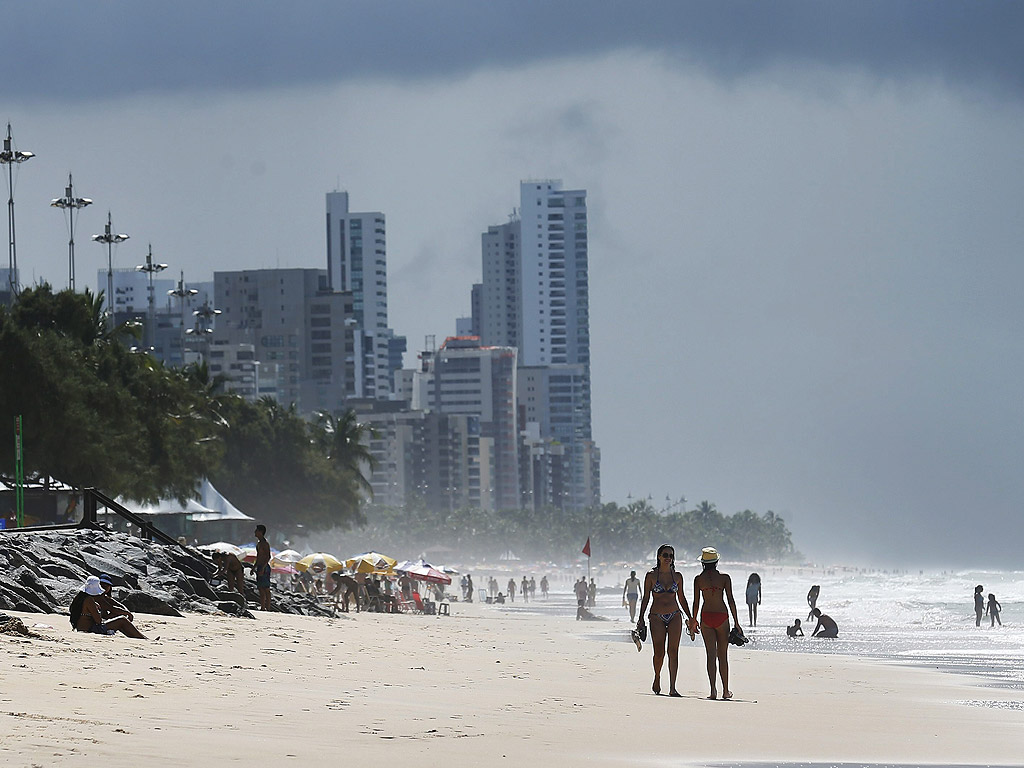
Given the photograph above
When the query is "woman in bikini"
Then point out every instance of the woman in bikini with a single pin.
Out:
(663, 588)
(716, 589)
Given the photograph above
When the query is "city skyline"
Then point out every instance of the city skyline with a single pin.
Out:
(804, 227)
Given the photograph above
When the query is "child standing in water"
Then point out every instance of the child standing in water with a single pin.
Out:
(993, 609)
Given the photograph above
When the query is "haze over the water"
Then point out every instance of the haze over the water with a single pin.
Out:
(805, 219)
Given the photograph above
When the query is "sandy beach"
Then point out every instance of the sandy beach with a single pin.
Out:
(481, 687)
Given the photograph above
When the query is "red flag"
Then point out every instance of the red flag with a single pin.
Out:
(586, 547)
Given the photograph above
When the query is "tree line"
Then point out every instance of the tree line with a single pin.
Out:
(617, 533)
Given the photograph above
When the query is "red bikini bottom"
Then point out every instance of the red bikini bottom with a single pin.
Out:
(713, 619)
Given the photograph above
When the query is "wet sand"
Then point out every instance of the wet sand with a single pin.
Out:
(482, 687)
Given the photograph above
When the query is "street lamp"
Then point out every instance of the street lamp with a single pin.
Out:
(204, 316)
(151, 268)
(183, 294)
(110, 238)
(70, 203)
(11, 157)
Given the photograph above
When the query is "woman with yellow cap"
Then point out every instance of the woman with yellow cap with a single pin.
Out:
(716, 590)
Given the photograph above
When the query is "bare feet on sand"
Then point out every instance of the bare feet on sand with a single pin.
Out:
(675, 693)
(656, 687)
(727, 695)
(714, 694)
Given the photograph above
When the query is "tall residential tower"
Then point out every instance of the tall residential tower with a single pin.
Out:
(357, 263)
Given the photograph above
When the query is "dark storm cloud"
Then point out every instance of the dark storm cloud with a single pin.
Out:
(88, 50)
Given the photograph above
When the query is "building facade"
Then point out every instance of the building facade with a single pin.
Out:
(357, 264)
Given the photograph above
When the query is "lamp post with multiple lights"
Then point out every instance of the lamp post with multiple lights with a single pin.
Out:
(183, 294)
(204, 316)
(71, 204)
(11, 157)
(151, 268)
(111, 238)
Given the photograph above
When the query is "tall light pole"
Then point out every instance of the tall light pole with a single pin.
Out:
(183, 294)
(11, 157)
(110, 238)
(70, 204)
(204, 316)
(151, 268)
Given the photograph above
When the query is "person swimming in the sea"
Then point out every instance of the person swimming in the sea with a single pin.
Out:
(716, 590)
(663, 588)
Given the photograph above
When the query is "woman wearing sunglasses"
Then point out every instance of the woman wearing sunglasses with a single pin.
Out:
(663, 588)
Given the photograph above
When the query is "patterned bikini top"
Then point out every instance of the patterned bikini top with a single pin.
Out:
(659, 588)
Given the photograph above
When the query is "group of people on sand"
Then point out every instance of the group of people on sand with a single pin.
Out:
(230, 569)
(663, 589)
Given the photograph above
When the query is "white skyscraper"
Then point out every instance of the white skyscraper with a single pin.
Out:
(357, 262)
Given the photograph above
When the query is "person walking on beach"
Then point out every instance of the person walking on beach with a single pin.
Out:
(826, 626)
(469, 588)
(581, 592)
(544, 586)
(663, 589)
(262, 567)
(993, 609)
(753, 597)
(524, 590)
(533, 589)
(631, 593)
(812, 600)
(512, 590)
(715, 589)
(592, 593)
(979, 604)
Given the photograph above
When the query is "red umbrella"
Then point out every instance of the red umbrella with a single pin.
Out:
(422, 571)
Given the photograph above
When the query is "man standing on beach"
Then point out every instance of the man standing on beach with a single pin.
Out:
(262, 567)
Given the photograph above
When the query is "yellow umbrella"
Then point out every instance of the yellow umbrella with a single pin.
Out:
(370, 562)
(331, 563)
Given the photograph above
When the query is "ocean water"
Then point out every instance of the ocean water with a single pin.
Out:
(917, 618)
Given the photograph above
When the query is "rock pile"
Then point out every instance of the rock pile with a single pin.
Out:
(42, 571)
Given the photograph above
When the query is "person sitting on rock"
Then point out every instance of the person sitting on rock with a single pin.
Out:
(91, 618)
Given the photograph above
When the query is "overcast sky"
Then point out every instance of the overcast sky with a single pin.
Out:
(805, 218)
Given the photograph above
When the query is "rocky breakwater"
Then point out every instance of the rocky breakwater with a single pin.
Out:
(42, 571)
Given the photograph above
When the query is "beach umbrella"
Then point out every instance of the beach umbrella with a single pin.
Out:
(423, 571)
(331, 563)
(371, 562)
(288, 556)
(222, 546)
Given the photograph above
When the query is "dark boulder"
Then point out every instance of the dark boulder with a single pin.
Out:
(142, 602)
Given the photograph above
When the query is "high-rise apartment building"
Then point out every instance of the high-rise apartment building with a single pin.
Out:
(535, 296)
(294, 322)
(357, 263)
(476, 380)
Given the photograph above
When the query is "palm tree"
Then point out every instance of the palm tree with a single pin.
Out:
(345, 442)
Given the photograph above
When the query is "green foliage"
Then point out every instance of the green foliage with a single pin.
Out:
(95, 414)
(292, 475)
